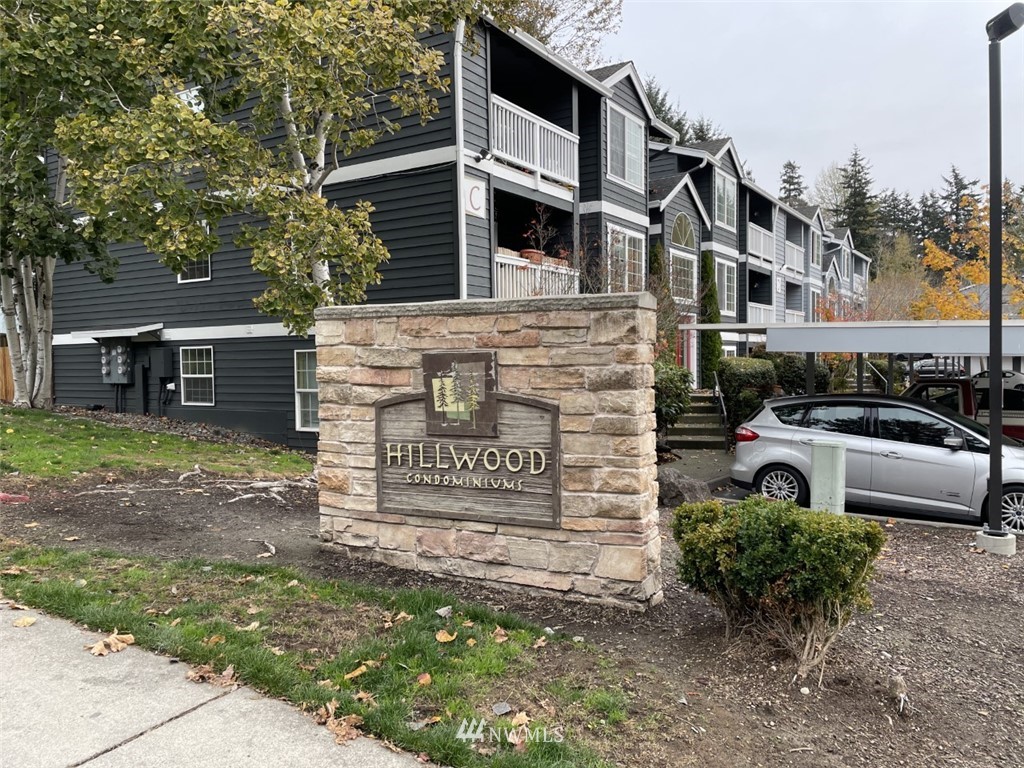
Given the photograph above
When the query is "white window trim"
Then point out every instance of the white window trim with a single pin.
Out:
(613, 228)
(816, 238)
(736, 196)
(682, 253)
(729, 350)
(295, 386)
(608, 148)
(735, 281)
(209, 263)
(211, 376)
(693, 231)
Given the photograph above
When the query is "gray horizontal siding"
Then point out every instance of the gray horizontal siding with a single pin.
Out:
(592, 119)
(479, 248)
(476, 94)
(146, 291)
(253, 385)
(415, 218)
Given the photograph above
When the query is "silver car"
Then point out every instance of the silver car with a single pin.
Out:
(901, 455)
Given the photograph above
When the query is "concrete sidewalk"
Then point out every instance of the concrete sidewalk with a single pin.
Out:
(60, 707)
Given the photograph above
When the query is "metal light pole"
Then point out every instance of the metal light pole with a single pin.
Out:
(998, 28)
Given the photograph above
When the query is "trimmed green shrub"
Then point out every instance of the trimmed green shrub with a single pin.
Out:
(672, 387)
(790, 371)
(791, 577)
(739, 374)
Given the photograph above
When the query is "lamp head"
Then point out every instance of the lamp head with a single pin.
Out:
(1006, 23)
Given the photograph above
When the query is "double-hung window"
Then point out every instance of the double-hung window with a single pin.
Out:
(627, 260)
(815, 305)
(199, 269)
(307, 399)
(725, 201)
(683, 261)
(197, 376)
(725, 279)
(626, 147)
(816, 249)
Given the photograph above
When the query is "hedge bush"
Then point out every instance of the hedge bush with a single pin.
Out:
(791, 372)
(672, 387)
(792, 577)
(737, 374)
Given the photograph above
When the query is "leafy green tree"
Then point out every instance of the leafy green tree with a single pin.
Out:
(792, 189)
(710, 341)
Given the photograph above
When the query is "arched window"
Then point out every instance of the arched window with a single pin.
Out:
(682, 233)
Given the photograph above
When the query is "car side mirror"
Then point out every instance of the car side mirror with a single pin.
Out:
(954, 443)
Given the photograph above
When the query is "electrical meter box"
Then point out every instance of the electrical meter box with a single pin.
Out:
(117, 363)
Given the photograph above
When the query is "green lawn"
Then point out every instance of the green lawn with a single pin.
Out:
(43, 444)
(385, 656)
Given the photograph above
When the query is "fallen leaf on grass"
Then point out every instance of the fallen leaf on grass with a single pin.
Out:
(471, 642)
(276, 651)
(14, 570)
(499, 635)
(265, 554)
(25, 621)
(390, 621)
(521, 718)
(329, 684)
(31, 525)
(518, 738)
(480, 749)
(111, 644)
(442, 636)
(444, 612)
(467, 623)
(72, 538)
(423, 679)
(176, 622)
(206, 674)
(212, 641)
(540, 642)
(253, 610)
(356, 672)
(292, 583)
(366, 698)
(250, 628)
(419, 725)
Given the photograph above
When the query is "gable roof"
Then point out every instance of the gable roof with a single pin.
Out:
(665, 188)
(717, 148)
(613, 73)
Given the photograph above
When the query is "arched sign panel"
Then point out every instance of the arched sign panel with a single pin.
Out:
(506, 475)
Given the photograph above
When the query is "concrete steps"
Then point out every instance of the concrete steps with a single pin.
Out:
(700, 427)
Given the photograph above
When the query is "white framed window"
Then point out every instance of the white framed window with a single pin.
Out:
(197, 271)
(197, 376)
(815, 305)
(728, 351)
(193, 98)
(682, 233)
(627, 260)
(816, 248)
(725, 280)
(846, 263)
(683, 274)
(626, 147)
(307, 395)
(725, 200)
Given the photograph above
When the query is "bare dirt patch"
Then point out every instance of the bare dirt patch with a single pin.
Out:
(947, 620)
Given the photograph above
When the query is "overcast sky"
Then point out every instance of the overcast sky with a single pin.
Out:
(907, 82)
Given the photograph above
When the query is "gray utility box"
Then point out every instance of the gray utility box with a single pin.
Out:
(161, 363)
(117, 361)
(828, 476)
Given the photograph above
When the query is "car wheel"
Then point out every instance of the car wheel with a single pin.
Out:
(783, 484)
(1013, 508)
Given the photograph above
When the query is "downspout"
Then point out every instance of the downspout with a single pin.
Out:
(460, 161)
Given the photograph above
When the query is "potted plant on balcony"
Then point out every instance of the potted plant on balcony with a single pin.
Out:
(538, 234)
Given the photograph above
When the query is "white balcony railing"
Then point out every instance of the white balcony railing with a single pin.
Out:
(794, 316)
(527, 141)
(794, 257)
(859, 284)
(517, 278)
(760, 242)
(760, 313)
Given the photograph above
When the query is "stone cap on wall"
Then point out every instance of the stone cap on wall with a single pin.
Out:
(584, 302)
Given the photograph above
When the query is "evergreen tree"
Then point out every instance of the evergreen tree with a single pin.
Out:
(931, 221)
(668, 111)
(710, 341)
(958, 199)
(897, 214)
(703, 129)
(792, 189)
(859, 207)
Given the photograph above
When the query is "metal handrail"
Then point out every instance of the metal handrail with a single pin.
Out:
(723, 414)
(884, 379)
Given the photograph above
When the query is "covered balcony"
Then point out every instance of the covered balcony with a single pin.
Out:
(534, 254)
(794, 303)
(760, 298)
(532, 144)
(516, 277)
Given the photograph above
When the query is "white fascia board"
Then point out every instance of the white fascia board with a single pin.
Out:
(152, 330)
(396, 163)
(685, 183)
(526, 180)
(196, 333)
(729, 147)
(724, 250)
(611, 209)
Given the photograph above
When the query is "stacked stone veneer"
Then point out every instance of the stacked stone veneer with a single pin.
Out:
(591, 354)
